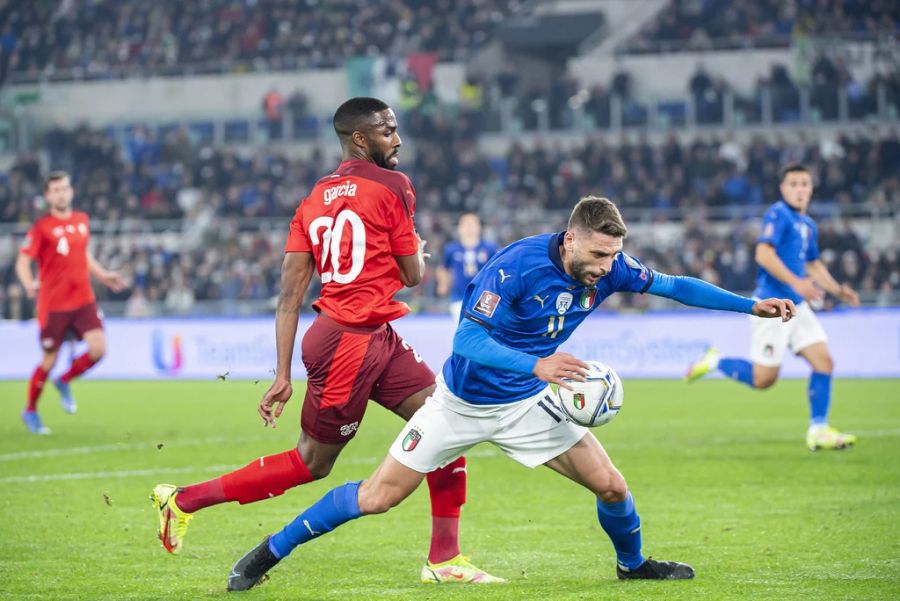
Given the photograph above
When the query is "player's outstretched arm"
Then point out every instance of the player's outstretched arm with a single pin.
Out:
(26, 277)
(296, 271)
(821, 276)
(111, 279)
(768, 259)
(699, 293)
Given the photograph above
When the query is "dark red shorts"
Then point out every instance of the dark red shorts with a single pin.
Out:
(348, 366)
(78, 321)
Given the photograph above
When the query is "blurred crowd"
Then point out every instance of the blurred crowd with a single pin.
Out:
(230, 269)
(562, 98)
(155, 177)
(701, 24)
(98, 37)
(232, 209)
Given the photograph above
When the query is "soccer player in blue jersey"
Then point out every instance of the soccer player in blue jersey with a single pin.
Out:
(524, 303)
(463, 259)
(787, 253)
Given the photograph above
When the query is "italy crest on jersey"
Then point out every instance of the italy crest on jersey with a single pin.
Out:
(563, 302)
(587, 298)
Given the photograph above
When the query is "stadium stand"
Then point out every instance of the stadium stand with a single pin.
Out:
(193, 209)
(89, 39)
(724, 24)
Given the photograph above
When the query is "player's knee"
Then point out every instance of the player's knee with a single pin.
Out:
(319, 469)
(763, 381)
(615, 490)
(376, 499)
(49, 361)
(96, 353)
(825, 364)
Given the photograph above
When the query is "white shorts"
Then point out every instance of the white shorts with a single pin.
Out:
(532, 431)
(771, 337)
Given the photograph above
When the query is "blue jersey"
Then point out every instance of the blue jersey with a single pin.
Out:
(796, 241)
(528, 303)
(464, 263)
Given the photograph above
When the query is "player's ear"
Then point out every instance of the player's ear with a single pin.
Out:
(359, 139)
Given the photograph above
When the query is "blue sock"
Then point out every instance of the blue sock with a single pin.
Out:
(339, 505)
(623, 526)
(819, 398)
(737, 369)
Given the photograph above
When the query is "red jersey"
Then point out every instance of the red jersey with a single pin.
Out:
(60, 247)
(354, 222)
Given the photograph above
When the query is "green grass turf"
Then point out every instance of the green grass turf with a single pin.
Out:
(720, 474)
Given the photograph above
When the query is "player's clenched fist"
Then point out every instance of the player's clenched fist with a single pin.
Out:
(775, 307)
(276, 396)
(558, 366)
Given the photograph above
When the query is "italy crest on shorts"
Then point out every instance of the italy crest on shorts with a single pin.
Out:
(411, 440)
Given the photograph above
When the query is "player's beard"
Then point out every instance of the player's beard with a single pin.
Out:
(60, 206)
(582, 273)
(382, 160)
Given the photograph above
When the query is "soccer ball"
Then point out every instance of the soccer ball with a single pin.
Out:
(595, 401)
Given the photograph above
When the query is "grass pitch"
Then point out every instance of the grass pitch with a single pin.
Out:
(720, 474)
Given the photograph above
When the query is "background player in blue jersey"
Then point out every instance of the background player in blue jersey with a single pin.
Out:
(789, 266)
(494, 388)
(463, 258)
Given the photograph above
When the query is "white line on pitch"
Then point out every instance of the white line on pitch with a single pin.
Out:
(370, 460)
(120, 446)
(119, 474)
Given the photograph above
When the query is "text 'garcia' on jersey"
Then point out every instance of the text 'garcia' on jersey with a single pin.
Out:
(346, 189)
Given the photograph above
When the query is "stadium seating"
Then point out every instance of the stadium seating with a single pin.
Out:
(111, 39)
(724, 24)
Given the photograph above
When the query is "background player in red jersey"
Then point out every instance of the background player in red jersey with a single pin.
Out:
(65, 301)
(356, 230)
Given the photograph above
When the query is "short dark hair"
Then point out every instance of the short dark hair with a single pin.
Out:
(793, 168)
(352, 115)
(598, 215)
(54, 176)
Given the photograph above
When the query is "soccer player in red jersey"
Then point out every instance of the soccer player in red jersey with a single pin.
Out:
(58, 241)
(356, 230)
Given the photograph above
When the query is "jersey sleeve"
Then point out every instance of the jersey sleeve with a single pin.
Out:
(630, 275)
(298, 239)
(493, 292)
(773, 228)
(812, 251)
(31, 246)
(404, 240)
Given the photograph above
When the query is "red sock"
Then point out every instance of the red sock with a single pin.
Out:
(264, 478)
(447, 487)
(35, 386)
(80, 365)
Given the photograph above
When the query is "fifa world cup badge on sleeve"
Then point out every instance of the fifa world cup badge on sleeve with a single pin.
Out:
(487, 303)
